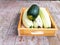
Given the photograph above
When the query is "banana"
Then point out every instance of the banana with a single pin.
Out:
(26, 22)
(38, 22)
(45, 17)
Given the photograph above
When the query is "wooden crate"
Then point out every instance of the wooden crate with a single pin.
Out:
(36, 31)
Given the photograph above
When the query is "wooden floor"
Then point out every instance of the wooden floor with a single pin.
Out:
(9, 19)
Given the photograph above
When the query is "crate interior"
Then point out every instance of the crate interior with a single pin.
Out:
(52, 21)
(52, 24)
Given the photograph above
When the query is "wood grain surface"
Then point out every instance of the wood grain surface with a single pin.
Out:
(9, 19)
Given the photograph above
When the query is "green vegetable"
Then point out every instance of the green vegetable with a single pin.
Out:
(33, 12)
(31, 26)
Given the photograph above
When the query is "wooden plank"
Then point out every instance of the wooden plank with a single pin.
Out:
(20, 41)
(9, 40)
(31, 40)
(1, 38)
(53, 41)
(55, 14)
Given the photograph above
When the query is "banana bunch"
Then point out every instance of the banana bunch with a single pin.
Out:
(38, 22)
(45, 18)
(42, 19)
(30, 24)
(27, 23)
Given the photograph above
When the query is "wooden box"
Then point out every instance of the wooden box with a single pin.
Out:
(36, 31)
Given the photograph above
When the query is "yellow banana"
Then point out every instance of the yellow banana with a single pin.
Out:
(38, 22)
(45, 17)
(26, 22)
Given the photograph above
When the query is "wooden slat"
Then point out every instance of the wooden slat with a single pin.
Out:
(1, 37)
(56, 13)
(53, 41)
(9, 40)
(31, 40)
